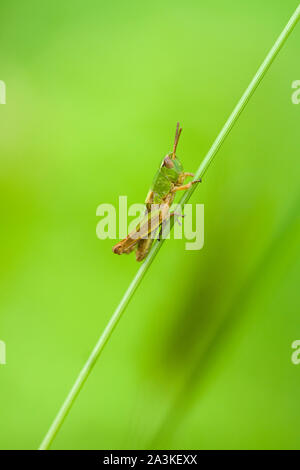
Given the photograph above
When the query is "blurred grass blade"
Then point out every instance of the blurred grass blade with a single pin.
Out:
(286, 235)
(82, 377)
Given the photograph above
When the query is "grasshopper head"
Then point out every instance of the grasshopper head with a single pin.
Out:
(171, 165)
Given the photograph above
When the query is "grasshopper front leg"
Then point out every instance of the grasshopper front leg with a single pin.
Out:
(184, 187)
(186, 174)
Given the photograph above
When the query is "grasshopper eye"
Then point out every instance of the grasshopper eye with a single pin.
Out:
(168, 162)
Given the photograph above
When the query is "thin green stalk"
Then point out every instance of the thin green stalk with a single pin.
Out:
(85, 372)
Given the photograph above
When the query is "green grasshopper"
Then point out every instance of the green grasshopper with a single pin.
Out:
(168, 180)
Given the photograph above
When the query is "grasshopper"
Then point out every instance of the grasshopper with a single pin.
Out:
(169, 179)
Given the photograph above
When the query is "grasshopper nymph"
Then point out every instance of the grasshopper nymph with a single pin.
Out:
(168, 180)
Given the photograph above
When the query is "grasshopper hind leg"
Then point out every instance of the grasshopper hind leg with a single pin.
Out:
(143, 248)
(129, 250)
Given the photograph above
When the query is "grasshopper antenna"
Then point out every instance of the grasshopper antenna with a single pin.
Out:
(177, 135)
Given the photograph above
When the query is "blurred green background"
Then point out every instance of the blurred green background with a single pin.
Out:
(202, 357)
